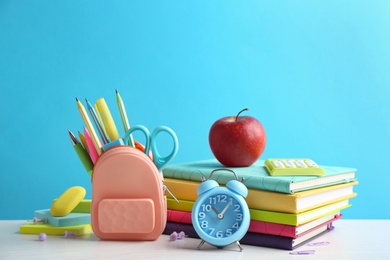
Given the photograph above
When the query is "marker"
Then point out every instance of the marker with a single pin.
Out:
(92, 151)
(97, 123)
(122, 112)
(108, 120)
(101, 120)
(82, 153)
(89, 126)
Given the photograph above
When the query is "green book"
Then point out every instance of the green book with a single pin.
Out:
(31, 228)
(292, 219)
(257, 177)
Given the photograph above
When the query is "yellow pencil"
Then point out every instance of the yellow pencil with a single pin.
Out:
(82, 139)
(108, 120)
(89, 126)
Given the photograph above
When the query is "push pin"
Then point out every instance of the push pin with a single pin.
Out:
(175, 236)
(70, 234)
(181, 235)
(36, 220)
(42, 237)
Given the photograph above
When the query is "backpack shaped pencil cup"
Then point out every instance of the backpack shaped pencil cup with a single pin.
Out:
(128, 192)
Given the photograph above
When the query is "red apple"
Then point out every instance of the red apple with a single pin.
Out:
(237, 141)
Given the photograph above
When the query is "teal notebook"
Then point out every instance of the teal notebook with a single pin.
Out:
(71, 219)
(257, 177)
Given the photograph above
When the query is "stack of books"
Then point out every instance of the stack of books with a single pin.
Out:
(76, 223)
(286, 211)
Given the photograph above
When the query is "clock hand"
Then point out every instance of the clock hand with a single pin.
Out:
(215, 210)
(220, 215)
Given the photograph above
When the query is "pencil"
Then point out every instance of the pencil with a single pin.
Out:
(89, 126)
(82, 140)
(96, 121)
(82, 153)
(123, 114)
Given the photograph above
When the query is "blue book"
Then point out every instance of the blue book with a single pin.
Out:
(257, 177)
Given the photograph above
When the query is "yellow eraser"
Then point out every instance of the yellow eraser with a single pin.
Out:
(67, 201)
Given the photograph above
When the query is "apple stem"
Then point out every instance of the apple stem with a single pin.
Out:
(245, 109)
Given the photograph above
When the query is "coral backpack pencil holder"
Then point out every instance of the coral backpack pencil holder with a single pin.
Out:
(128, 191)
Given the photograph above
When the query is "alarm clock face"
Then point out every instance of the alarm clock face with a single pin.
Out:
(221, 218)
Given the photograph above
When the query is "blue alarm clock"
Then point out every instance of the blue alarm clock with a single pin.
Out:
(220, 215)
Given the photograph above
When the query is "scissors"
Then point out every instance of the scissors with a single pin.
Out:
(151, 144)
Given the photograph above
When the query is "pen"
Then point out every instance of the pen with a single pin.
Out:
(82, 153)
(92, 150)
(97, 123)
(108, 120)
(89, 126)
(122, 112)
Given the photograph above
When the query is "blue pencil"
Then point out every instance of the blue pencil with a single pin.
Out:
(97, 123)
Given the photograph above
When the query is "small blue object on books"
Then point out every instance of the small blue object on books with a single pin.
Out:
(113, 144)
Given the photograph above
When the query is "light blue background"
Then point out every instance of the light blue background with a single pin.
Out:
(315, 73)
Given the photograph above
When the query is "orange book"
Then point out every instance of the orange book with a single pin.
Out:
(273, 201)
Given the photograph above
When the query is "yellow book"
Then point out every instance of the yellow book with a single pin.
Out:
(273, 201)
(298, 218)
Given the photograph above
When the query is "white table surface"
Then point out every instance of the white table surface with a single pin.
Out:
(351, 239)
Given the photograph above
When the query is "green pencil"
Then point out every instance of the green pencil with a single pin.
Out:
(122, 112)
(82, 153)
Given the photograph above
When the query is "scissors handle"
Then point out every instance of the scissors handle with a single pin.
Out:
(160, 161)
(144, 130)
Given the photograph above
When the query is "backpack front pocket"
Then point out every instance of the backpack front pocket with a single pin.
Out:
(126, 215)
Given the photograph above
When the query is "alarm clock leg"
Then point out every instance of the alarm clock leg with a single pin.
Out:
(239, 245)
(200, 245)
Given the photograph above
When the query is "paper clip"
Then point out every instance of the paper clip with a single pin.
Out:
(322, 243)
(303, 252)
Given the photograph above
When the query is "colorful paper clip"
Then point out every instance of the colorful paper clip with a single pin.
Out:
(322, 243)
(303, 252)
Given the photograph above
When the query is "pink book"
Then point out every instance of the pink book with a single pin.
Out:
(265, 227)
